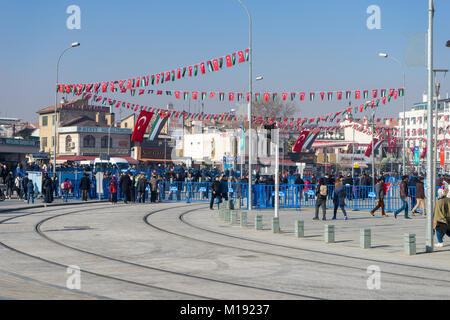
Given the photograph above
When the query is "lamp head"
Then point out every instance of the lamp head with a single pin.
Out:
(63, 100)
(383, 55)
(448, 44)
(75, 44)
(259, 78)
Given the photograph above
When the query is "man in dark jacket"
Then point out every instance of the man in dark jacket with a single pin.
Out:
(380, 196)
(420, 195)
(9, 181)
(124, 185)
(47, 188)
(25, 181)
(403, 197)
(216, 191)
(141, 186)
(85, 186)
(321, 199)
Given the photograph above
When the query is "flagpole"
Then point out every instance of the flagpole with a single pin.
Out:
(249, 115)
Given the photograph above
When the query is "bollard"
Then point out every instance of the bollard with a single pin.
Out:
(409, 240)
(238, 204)
(231, 204)
(365, 238)
(299, 228)
(329, 233)
(234, 216)
(258, 222)
(227, 215)
(276, 225)
(243, 219)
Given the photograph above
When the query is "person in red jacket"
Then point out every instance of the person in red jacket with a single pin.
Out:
(113, 189)
(403, 197)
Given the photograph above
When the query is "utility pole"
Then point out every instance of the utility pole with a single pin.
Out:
(430, 193)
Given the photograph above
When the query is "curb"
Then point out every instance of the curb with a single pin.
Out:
(50, 205)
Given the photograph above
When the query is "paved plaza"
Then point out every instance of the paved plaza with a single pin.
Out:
(186, 251)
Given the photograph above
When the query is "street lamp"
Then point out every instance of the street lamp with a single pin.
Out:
(74, 44)
(249, 115)
(448, 44)
(385, 55)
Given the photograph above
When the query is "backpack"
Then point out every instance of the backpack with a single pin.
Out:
(323, 190)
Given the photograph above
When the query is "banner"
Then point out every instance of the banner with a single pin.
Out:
(369, 147)
(442, 156)
(141, 126)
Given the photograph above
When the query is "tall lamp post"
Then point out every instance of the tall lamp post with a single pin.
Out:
(385, 55)
(75, 44)
(249, 115)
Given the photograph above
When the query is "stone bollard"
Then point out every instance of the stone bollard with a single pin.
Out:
(365, 238)
(238, 204)
(410, 243)
(299, 228)
(231, 204)
(276, 225)
(258, 222)
(329, 233)
(227, 215)
(243, 219)
(234, 216)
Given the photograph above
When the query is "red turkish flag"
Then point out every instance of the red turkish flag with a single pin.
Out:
(141, 126)
(284, 96)
(374, 93)
(357, 95)
(339, 95)
(194, 95)
(231, 96)
(216, 64)
(202, 68)
(424, 153)
(442, 156)
(241, 56)
(369, 148)
(229, 61)
(300, 141)
(177, 94)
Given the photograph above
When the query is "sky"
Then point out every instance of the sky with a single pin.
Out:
(298, 46)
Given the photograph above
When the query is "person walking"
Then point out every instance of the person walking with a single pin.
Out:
(420, 196)
(132, 187)
(339, 199)
(441, 220)
(321, 199)
(85, 186)
(30, 191)
(215, 193)
(113, 189)
(403, 197)
(55, 181)
(379, 189)
(25, 181)
(18, 186)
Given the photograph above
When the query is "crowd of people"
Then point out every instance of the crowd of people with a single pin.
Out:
(136, 186)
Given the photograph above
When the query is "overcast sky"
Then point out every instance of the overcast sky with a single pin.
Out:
(298, 46)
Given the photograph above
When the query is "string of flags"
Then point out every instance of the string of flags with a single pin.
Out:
(138, 83)
(265, 96)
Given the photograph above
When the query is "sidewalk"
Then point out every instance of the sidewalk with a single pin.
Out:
(11, 205)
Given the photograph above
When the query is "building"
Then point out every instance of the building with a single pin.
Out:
(84, 132)
(67, 112)
(416, 127)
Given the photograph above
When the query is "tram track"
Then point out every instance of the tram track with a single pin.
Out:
(332, 264)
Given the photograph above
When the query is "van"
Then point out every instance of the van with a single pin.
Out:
(120, 163)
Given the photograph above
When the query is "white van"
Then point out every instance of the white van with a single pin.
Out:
(120, 163)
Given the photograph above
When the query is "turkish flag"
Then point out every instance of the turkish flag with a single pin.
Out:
(442, 157)
(300, 141)
(369, 148)
(141, 126)
(241, 57)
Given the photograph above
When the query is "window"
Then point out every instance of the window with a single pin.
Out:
(44, 121)
(104, 142)
(44, 142)
(89, 142)
(69, 143)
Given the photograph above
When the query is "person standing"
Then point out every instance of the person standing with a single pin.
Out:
(215, 193)
(65, 188)
(113, 189)
(141, 186)
(132, 187)
(124, 185)
(55, 181)
(321, 199)
(420, 196)
(47, 188)
(379, 189)
(30, 191)
(339, 199)
(25, 181)
(403, 197)
(441, 219)
(153, 187)
(18, 186)
(85, 186)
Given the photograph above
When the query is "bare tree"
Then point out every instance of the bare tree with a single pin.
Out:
(276, 109)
